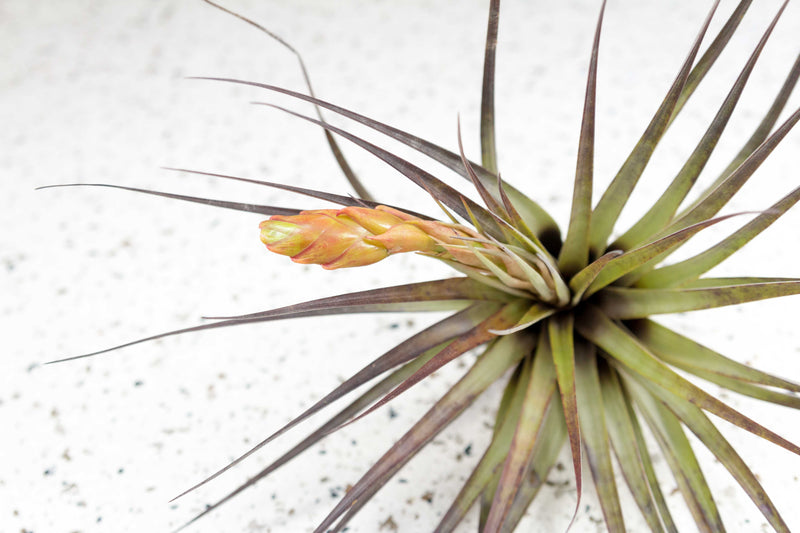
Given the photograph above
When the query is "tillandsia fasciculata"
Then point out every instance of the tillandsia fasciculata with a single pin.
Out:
(565, 319)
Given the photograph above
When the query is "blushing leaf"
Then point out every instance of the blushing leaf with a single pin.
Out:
(581, 281)
(717, 199)
(492, 459)
(425, 180)
(360, 403)
(480, 334)
(759, 135)
(647, 254)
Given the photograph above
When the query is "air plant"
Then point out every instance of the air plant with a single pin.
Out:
(565, 320)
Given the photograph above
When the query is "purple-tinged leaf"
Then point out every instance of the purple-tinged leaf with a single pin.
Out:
(488, 145)
(480, 334)
(536, 217)
(717, 199)
(360, 403)
(446, 293)
(425, 180)
(759, 135)
(491, 203)
(443, 331)
(499, 357)
(322, 195)
(574, 253)
(647, 254)
(686, 354)
(248, 208)
(539, 394)
(595, 435)
(358, 187)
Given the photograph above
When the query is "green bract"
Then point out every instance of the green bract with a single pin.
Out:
(567, 315)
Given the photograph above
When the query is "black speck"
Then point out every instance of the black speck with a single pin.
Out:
(99, 519)
(138, 383)
(120, 470)
(49, 472)
(394, 325)
(392, 413)
(468, 450)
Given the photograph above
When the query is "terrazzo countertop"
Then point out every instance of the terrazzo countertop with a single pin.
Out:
(96, 91)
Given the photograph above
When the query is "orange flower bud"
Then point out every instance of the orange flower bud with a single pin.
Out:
(404, 237)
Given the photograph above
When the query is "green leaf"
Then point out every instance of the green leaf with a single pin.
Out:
(700, 425)
(595, 435)
(679, 455)
(541, 389)
(575, 252)
(622, 346)
(710, 56)
(665, 207)
(609, 207)
(680, 351)
(647, 254)
(581, 281)
(641, 303)
(695, 266)
(761, 132)
(501, 356)
(537, 218)
(560, 329)
(624, 440)
(717, 199)
(534, 314)
(488, 145)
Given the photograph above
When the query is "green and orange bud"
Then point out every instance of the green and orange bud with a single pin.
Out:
(349, 237)
(359, 236)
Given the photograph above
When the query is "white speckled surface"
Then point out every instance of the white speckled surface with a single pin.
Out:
(95, 92)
